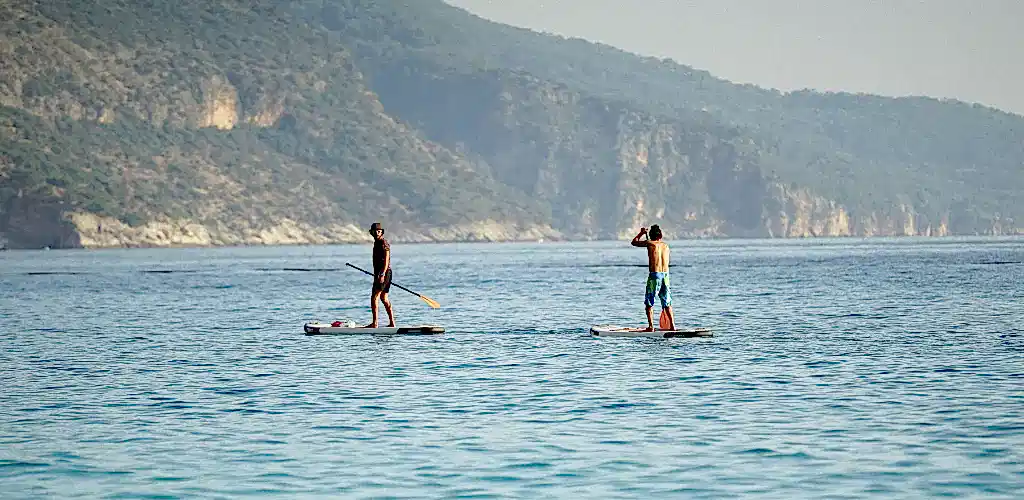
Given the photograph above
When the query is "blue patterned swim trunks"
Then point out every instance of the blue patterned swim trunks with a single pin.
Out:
(657, 286)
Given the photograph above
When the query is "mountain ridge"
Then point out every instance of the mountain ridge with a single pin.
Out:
(147, 124)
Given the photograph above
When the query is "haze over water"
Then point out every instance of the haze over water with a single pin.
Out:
(848, 368)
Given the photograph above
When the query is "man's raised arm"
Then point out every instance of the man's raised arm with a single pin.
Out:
(637, 242)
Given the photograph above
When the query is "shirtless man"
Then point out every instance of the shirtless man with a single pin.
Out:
(381, 275)
(657, 280)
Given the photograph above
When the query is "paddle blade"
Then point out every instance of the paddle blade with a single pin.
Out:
(430, 302)
(663, 321)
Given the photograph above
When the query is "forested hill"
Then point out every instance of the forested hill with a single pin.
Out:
(137, 123)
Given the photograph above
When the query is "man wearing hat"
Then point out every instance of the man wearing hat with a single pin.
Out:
(381, 275)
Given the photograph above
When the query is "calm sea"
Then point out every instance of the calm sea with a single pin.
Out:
(840, 368)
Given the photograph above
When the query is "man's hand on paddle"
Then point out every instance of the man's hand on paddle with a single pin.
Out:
(636, 239)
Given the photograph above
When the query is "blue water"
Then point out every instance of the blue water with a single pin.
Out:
(839, 369)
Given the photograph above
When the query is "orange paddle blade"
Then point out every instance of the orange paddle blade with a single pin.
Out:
(430, 302)
(663, 321)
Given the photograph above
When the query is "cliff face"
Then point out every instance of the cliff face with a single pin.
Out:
(607, 168)
(155, 138)
(224, 122)
(53, 69)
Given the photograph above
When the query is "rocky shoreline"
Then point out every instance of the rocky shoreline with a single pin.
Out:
(104, 232)
(86, 230)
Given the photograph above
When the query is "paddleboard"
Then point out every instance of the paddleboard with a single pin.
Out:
(622, 331)
(350, 329)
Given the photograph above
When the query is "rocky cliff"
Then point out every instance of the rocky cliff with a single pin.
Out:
(607, 167)
(162, 124)
(132, 138)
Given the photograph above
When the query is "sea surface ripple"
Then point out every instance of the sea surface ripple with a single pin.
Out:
(840, 368)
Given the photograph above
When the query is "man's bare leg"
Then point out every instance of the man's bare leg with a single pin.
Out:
(650, 319)
(671, 317)
(387, 307)
(374, 295)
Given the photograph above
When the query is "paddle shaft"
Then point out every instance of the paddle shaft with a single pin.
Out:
(392, 283)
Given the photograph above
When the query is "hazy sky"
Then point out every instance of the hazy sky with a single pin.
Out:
(971, 50)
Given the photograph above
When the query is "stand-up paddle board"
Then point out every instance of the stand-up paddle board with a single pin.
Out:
(350, 329)
(622, 331)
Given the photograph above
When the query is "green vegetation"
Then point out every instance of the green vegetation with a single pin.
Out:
(864, 151)
(350, 160)
(224, 110)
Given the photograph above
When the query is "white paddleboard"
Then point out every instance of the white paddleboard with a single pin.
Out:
(349, 329)
(622, 331)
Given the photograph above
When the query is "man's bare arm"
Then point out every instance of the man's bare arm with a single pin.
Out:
(637, 242)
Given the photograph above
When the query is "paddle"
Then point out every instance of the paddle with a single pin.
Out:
(430, 302)
(663, 321)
